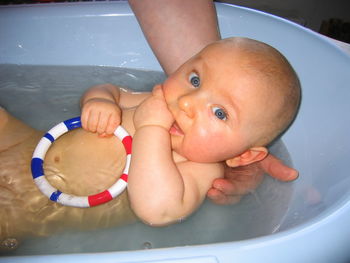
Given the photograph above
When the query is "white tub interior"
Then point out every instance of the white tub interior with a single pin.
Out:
(312, 210)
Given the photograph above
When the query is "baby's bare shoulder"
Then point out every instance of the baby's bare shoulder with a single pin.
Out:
(205, 172)
(200, 175)
(190, 168)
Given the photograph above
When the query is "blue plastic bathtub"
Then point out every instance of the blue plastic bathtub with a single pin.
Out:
(314, 224)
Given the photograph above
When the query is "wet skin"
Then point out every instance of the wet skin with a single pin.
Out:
(79, 162)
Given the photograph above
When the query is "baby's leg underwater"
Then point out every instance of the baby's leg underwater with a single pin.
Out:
(13, 131)
(17, 141)
(24, 210)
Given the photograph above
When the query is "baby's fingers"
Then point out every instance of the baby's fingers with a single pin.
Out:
(92, 122)
(89, 120)
(84, 119)
(113, 123)
(102, 123)
(107, 124)
(157, 91)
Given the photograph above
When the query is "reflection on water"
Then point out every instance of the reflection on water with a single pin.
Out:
(42, 96)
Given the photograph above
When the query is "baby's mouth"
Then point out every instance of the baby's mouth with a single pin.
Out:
(175, 129)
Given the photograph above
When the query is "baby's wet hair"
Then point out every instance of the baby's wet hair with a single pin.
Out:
(273, 68)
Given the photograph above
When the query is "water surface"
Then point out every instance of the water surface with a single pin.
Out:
(42, 96)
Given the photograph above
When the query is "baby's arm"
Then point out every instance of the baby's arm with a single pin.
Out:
(161, 191)
(101, 107)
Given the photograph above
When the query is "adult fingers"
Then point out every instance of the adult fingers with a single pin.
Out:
(277, 169)
(220, 198)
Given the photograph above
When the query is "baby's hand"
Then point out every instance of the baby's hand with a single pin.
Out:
(154, 111)
(100, 115)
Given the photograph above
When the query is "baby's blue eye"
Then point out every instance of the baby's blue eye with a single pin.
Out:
(220, 113)
(195, 80)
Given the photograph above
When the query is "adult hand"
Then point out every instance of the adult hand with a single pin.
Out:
(242, 180)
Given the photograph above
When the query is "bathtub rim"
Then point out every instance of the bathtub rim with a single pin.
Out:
(329, 216)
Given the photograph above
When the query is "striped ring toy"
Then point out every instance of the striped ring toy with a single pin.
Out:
(67, 199)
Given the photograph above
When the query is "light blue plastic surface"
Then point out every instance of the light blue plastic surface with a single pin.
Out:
(318, 141)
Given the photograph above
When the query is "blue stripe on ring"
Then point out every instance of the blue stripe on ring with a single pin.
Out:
(55, 195)
(73, 123)
(37, 167)
(50, 137)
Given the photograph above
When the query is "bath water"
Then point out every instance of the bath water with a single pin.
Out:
(42, 96)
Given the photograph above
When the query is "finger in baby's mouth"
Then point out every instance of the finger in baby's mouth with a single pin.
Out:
(175, 129)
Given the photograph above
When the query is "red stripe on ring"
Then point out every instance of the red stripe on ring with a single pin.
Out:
(99, 198)
(127, 141)
(124, 177)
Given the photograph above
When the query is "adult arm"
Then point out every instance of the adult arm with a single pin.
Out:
(176, 29)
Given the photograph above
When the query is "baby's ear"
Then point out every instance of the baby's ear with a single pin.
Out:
(252, 155)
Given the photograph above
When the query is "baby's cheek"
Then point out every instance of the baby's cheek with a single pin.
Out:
(170, 89)
(199, 150)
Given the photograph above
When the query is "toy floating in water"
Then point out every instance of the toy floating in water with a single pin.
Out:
(70, 200)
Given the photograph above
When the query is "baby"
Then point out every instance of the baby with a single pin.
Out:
(220, 109)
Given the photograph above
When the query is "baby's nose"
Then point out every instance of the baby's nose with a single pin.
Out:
(187, 104)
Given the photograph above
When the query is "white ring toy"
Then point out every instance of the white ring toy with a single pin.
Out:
(67, 199)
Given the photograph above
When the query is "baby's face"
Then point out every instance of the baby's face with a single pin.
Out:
(217, 105)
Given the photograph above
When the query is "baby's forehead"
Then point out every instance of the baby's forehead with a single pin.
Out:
(230, 61)
(247, 59)
(220, 57)
(247, 48)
